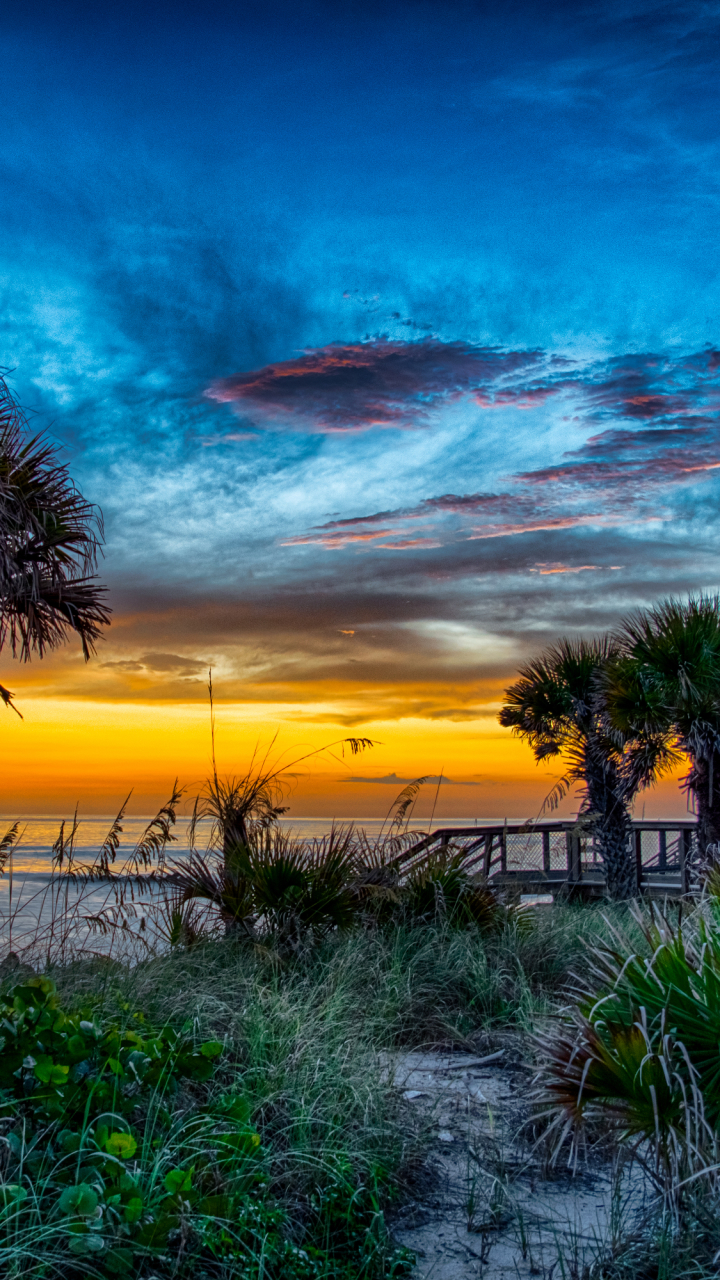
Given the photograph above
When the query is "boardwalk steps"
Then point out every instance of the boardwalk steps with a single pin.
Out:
(562, 857)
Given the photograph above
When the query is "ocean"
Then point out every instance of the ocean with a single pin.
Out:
(37, 905)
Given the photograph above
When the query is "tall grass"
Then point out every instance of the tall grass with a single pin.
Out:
(309, 1000)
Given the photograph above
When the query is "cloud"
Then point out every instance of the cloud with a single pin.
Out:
(621, 475)
(546, 569)
(382, 383)
(393, 780)
(161, 663)
(352, 387)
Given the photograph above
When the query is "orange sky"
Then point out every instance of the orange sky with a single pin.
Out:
(96, 748)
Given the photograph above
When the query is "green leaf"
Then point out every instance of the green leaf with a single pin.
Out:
(178, 1181)
(13, 1194)
(199, 1068)
(80, 1200)
(235, 1108)
(153, 1235)
(86, 1244)
(119, 1261)
(122, 1145)
(211, 1048)
(49, 1072)
(69, 1140)
(133, 1210)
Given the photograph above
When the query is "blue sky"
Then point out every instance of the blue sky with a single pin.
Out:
(384, 325)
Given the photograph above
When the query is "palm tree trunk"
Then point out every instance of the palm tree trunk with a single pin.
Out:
(612, 828)
(704, 782)
(235, 837)
(613, 832)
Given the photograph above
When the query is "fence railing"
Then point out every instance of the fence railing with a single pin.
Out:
(546, 856)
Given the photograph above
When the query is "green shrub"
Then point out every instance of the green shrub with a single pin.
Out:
(62, 1065)
(122, 1157)
(639, 1048)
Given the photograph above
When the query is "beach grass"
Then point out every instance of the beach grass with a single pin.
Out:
(307, 1036)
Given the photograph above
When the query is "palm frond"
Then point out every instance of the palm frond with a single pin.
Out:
(7, 698)
(558, 793)
(50, 541)
(236, 806)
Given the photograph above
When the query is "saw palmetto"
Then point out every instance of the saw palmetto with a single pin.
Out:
(50, 541)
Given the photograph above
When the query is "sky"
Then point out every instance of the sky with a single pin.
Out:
(387, 339)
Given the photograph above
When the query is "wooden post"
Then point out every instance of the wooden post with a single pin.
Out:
(638, 860)
(573, 856)
(487, 855)
(662, 849)
(503, 849)
(684, 851)
(546, 850)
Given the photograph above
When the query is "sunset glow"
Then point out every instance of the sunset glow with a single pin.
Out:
(387, 343)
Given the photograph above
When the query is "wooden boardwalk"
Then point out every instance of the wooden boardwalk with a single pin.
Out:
(562, 857)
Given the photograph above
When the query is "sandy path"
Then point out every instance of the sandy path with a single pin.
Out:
(488, 1205)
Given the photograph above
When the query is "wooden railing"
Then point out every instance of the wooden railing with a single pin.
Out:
(564, 856)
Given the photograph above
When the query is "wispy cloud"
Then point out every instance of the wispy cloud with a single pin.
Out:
(621, 475)
(379, 383)
(392, 779)
(369, 384)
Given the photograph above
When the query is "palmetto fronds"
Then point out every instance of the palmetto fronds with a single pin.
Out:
(50, 540)
(293, 888)
(665, 683)
(557, 707)
(641, 1047)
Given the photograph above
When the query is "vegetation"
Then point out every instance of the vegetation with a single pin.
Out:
(557, 706)
(665, 683)
(208, 1094)
(641, 1045)
(221, 1108)
(50, 539)
(214, 1105)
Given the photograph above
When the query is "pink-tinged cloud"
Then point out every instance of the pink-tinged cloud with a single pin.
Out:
(356, 386)
(404, 544)
(546, 569)
(401, 384)
(341, 538)
(618, 459)
(519, 397)
(544, 524)
(618, 477)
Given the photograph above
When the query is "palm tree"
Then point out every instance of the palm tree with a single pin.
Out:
(666, 681)
(556, 707)
(50, 540)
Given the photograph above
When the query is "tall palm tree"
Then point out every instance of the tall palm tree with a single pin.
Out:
(666, 681)
(556, 707)
(50, 540)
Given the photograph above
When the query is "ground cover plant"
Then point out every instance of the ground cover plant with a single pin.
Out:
(132, 1152)
(219, 1108)
(262, 1137)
